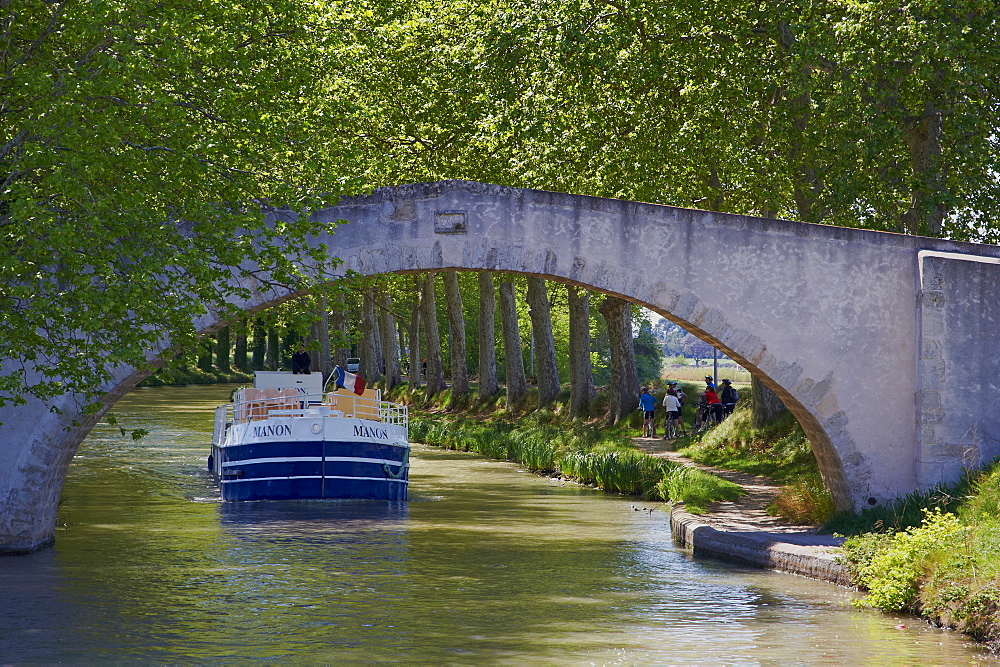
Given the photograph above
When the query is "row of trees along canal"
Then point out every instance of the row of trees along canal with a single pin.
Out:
(124, 131)
(501, 330)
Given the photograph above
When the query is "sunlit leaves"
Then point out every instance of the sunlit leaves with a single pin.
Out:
(139, 141)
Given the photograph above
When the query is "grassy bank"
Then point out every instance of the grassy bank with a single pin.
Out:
(935, 554)
(176, 377)
(547, 442)
(778, 451)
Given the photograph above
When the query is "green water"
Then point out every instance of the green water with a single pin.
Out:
(486, 563)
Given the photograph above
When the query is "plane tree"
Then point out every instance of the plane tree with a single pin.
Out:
(139, 143)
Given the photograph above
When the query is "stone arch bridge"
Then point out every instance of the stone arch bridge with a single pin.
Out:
(884, 346)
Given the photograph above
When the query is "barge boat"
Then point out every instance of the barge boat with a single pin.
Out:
(286, 437)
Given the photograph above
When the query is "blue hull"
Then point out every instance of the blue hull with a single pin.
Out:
(312, 469)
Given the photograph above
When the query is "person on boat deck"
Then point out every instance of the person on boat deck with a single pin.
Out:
(300, 360)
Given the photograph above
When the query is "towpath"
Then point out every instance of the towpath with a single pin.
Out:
(743, 530)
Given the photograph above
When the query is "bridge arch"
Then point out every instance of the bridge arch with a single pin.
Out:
(855, 330)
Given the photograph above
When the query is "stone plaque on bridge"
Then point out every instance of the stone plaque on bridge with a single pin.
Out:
(450, 222)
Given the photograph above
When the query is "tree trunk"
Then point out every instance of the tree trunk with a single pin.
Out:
(324, 363)
(338, 328)
(456, 317)
(369, 347)
(428, 313)
(257, 361)
(401, 339)
(273, 350)
(581, 374)
(378, 361)
(624, 385)
(390, 344)
(205, 354)
(517, 384)
(240, 360)
(222, 348)
(546, 370)
(415, 359)
(926, 213)
(487, 337)
(765, 406)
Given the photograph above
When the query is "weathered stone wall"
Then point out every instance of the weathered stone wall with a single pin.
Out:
(958, 397)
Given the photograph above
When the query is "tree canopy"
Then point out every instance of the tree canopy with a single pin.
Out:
(140, 140)
(870, 114)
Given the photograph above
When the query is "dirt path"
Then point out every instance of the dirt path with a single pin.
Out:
(748, 514)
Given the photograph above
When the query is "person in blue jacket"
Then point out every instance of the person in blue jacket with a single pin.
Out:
(647, 403)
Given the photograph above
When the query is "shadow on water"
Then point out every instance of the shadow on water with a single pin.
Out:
(316, 523)
(306, 516)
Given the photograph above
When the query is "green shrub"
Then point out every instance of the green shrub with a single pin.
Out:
(895, 571)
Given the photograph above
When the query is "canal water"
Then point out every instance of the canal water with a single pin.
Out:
(486, 563)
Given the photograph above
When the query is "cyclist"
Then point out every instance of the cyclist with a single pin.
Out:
(647, 403)
(728, 396)
(681, 396)
(714, 405)
(672, 405)
(702, 414)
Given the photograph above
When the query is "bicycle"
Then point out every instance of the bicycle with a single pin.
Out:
(704, 419)
(648, 427)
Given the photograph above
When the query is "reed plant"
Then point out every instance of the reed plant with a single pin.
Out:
(618, 470)
(696, 488)
(585, 453)
(805, 500)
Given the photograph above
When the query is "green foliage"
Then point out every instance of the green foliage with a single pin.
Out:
(138, 142)
(893, 573)
(586, 453)
(947, 567)
(779, 451)
(858, 551)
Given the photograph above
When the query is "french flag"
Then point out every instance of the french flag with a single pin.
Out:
(355, 383)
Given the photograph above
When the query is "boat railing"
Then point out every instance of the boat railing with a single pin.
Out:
(291, 403)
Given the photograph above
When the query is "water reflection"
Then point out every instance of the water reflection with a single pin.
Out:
(301, 518)
(484, 564)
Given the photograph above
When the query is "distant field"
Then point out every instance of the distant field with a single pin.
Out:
(697, 373)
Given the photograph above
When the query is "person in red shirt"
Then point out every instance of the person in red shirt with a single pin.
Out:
(715, 405)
